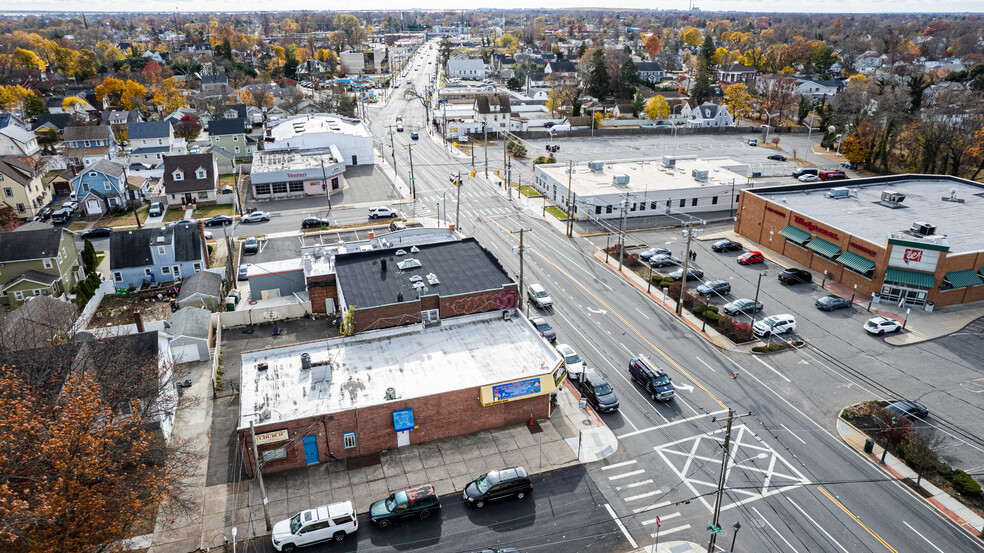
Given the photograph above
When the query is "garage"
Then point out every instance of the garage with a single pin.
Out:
(189, 332)
(187, 353)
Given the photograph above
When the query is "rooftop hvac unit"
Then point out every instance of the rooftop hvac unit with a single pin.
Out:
(923, 229)
(669, 161)
(305, 361)
(620, 180)
(699, 174)
(390, 393)
(596, 166)
(892, 198)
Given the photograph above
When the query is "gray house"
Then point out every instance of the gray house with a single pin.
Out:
(189, 331)
(650, 71)
(467, 69)
(202, 289)
(154, 255)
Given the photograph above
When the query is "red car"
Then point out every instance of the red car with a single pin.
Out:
(748, 258)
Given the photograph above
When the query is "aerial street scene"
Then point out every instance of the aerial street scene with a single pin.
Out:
(645, 277)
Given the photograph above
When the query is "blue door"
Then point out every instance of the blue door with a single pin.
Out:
(311, 449)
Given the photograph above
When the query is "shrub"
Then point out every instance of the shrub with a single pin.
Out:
(742, 332)
(712, 316)
(632, 260)
(964, 484)
(666, 282)
(712, 308)
(699, 310)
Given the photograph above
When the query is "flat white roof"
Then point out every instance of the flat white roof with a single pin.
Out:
(648, 174)
(266, 161)
(299, 125)
(417, 361)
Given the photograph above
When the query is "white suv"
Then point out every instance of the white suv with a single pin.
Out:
(539, 296)
(328, 522)
(776, 324)
(384, 212)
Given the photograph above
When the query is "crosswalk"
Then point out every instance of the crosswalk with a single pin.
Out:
(642, 496)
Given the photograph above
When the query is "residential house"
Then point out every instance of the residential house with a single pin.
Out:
(40, 319)
(101, 187)
(230, 135)
(16, 140)
(151, 141)
(175, 117)
(189, 330)
(869, 62)
(215, 85)
(818, 89)
(233, 111)
(160, 57)
(199, 48)
(120, 117)
(143, 256)
(311, 69)
(224, 160)
(469, 69)
(203, 289)
(191, 178)
(736, 73)
(710, 114)
(60, 181)
(85, 146)
(37, 263)
(23, 188)
(493, 110)
(561, 68)
(51, 121)
(650, 71)
(535, 80)
(254, 116)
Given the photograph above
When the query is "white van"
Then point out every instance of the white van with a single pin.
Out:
(328, 522)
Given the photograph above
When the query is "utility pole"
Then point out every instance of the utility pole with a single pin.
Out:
(259, 478)
(327, 186)
(457, 204)
(509, 180)
(393, 147)
(522, 247)
(732, 212)
(570, 178)
(503, 152)
(485, 131)
(686, 267)
(621, 232)
(725, 457)
(413, 184)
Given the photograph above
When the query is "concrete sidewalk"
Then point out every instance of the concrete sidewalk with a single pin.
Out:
(944, 504)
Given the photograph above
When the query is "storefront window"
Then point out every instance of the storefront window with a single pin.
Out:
(280, 188)
(296, 187)
(262, 189)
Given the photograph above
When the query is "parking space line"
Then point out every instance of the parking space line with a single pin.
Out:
(621, 526)
(626, 475)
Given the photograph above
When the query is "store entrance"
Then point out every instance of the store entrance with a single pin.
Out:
(911, 296)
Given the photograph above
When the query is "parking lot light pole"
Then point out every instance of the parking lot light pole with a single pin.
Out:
(891, 433)
(756, 302)
(736, 526)
(854, 294)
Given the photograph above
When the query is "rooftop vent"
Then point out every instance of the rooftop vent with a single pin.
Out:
(596, 166)
(669, 161)
(305, 361)
(390, 394)
(620, 180)
(408, 264)
(923, 229)
(414, 249)
(953, 197)
(400, 252)
(699, 174)
(891, 198)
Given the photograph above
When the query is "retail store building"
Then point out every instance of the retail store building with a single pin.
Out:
(282, 174)
(913, 239)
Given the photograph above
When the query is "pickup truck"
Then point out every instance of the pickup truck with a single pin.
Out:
(419, 501)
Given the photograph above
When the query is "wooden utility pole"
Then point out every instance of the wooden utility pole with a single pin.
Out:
(570, 180)
(686, 268)
(621, 232)
(259, 478)
(413, 184)
(725, 457)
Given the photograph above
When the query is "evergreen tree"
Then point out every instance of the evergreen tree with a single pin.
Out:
(803, 109)
(599, 80)
(630, 78)
(34, 106)
(701, 89)
(89, 256)
(638, 103)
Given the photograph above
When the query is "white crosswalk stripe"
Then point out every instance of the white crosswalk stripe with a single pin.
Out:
(672, 530)
(643, 495)
(626, 475)
(619, 465)
(633, 485)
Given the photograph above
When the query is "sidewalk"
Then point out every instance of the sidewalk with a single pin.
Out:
(939, 500)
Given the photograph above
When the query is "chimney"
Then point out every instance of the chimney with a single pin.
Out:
(138, 320)
(399, 297)
(382, 264)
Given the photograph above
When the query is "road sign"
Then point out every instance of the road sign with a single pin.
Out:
(657, 522)
(714, 529)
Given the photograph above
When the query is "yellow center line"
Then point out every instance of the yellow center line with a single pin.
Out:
(626, 323)
(856, 519)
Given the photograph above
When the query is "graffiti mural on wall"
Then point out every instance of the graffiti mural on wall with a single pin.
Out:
(504, 299)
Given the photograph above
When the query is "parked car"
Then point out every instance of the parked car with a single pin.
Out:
(543, 327)
(228, 190)
(209, 235)
(45, 214)
(219, 220)
(251, 245)
(692, 272)
(539, 296)
(777, 157)
(98, 232)
(663, 260)
(881, 325)
(597, 391)
(776, 324)
(328, 522)
(397, 225)
(800, 171)
(741, 306)
(808, 178)
(572, 361)
(313, 222)
(156, 209)
(832, 175)
(243, 271)
(753, 142)
(419, 501)
(795, 276)
(414, 136)
(647, 254)
(382, 212)
(717, 287)
(255, 217)
(831, 303)
(494, 485)
(750, 258)
(908, 409)
(182, 222)
(653, 380)
(850, 165)
(726, 246)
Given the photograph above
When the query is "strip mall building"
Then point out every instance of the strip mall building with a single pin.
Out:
(902, 238)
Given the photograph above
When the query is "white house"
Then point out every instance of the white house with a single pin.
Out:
(818, 89)
(710, 115)
(469, 69)
(18, 141)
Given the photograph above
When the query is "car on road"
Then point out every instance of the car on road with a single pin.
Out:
(209, 235)
(382, 212)
(543, 327)
(494, 485)
(218, 220)
(882, 325)
(750, 258)
(539, 296)
(653, 380)
(397, 225)
(717, 287)
(777, 157)
(243, 271)
(321, 524)
(795, 276)
(156, 209)
(908, 409)
(741, 306)
(726, 246)
(255, 217)
(648, 254)
(313, 222)
(663, 260)
(831, 302)
(45, 214)
(753, 142)
(808, 178)
(418, 501)
(182, 222)
(572, 361)
(776, 324)
(98, 232)
(251, 245)
(850, 165)
(399, 127)
(692, 273)
(597, 391)
(414, 136)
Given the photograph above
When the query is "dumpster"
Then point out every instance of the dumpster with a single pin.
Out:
(869, 445)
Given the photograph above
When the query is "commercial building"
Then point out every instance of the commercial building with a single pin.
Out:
(912, 239)
(643, 187)
(281, 174)
(317, 133)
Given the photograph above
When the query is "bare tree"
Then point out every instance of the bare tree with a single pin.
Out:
(921, 451)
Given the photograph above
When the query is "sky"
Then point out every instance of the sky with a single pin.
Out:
(812, 6)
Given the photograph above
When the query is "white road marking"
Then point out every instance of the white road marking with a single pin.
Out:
(621, 527)
(922, 536)
(643, 495)
(678, 421)
(633, 485)
(625, 348)
(774, 530)
(766, 365)
(641, 313)
(626, 475)
(808, 517)
(792, 434)
(617, 465)
(650, 507)
(705, 364)
(673, 530)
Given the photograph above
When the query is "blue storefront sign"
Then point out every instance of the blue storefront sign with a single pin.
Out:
(516, 389)
(403, 420)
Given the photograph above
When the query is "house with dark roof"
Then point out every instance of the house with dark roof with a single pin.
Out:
(120, 117)
(493, 109)
(736, 73)
(215, 85)
(189, 330)
(202, 289)
(56, 121)
(149, 255)
(101, 187)
(233, 111)
(37, 320)
(85, 146)
(562, 67)
(151, 141)
(650, 71)
(37, 263)
(22, 186)
(230, 135)
(710, 114)
(190, 179)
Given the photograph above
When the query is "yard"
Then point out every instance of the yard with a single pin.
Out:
(227, 180)
(124, 220)
(207, 211)
(116, 311)
(556, 212)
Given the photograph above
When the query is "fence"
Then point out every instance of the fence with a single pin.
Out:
(265, 311)
(105, 287)
(579, 132)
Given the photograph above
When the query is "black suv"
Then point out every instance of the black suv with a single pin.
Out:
(419, 501)
(498, 484)
(795, 276)
(653, 380)
(313, 222)
(597, 391)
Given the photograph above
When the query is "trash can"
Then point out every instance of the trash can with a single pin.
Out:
(929, 306)
(869, 445)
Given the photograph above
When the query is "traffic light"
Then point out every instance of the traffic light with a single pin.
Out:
(473, 173)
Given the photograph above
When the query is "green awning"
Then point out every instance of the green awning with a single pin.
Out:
(854, 261)
(963, 279)
(909, 278)
(795, 235)
(824, 248)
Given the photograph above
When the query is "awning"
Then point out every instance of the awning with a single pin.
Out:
(855, 262)
(909, 278)
(824, 248)
(795, 235)
(963, 279)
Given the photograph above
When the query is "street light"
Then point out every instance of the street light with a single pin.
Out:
(756, 302)
(736, 526)
(891, 433)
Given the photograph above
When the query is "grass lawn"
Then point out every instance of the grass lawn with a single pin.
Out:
(174, 213)
(125, 220)
(227, 180)
(556, 212)
(99, 257)
(207, 211)
(528, 192)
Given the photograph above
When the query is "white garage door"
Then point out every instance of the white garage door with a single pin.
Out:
(185, 354)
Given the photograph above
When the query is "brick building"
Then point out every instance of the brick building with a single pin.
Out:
(902, 238)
